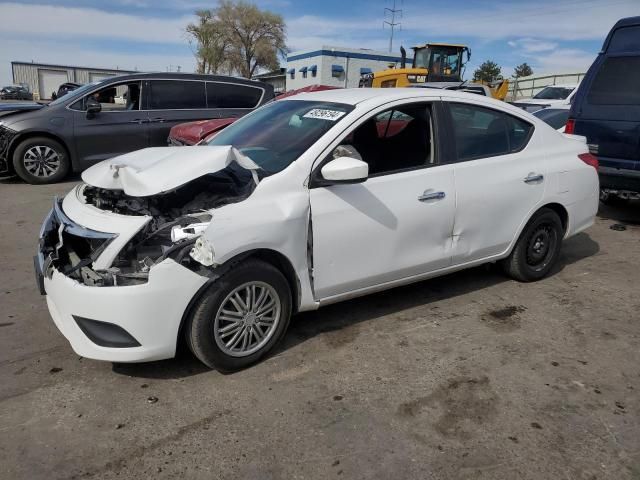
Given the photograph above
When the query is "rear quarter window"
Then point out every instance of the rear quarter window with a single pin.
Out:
(626, 39)
(617, 82)
(554, 117)
(232, 95)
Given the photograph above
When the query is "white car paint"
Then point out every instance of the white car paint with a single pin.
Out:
(342, 240)
(552, 102)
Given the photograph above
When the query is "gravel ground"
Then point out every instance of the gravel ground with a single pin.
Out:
(469, 376)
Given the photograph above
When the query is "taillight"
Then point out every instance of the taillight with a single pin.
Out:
(589, 159)
(570, 126)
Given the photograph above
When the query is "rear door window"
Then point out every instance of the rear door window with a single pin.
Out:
(232, 95)
(617, 82)
(177, 95)
(482, 132)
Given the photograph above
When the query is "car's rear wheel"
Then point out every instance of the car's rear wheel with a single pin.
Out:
(240, 317)
(40, 160)
(537, 248)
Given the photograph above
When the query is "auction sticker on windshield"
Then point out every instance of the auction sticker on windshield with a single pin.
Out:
(324, 114)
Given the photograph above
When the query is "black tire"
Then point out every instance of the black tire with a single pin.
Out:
(613, 200)
(56, 170)
(200, 328)
(537, 248)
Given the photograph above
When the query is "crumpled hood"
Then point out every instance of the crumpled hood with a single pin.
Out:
(155, 170)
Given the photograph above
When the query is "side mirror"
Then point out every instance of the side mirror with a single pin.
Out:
(93, 107)
(345, 170)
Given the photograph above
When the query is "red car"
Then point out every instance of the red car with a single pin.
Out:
(191, 133)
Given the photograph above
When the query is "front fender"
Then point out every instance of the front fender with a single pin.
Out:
(279, 223)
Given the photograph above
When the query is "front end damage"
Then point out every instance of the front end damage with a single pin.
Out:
(174, 221)
(117, 269)
(6, 137)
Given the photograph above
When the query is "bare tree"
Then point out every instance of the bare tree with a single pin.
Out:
(237, 37)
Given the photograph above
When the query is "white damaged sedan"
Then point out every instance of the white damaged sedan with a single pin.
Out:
(307, 201)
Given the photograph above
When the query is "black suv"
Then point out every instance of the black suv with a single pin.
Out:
(115, 116)
(606, 110)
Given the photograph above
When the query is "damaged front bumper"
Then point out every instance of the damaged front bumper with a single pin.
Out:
(132, 323)
(6, 137)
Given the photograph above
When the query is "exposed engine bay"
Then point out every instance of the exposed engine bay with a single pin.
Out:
(178, 218)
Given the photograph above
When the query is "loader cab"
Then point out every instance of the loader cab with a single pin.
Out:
(443, 62)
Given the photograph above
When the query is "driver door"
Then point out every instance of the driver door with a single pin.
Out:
(120, 127)
(397, 223)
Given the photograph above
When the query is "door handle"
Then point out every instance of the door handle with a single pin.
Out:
(533, 178)
(428, 195)
(139, 121)
(157, 120)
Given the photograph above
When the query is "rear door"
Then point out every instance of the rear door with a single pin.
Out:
(173, 101)
(498, 180)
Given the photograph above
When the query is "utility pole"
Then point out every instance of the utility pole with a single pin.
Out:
(395, 13)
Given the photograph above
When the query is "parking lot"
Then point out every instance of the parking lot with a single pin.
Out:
(467, 376)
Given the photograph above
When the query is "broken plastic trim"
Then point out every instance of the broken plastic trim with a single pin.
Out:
(202, 252)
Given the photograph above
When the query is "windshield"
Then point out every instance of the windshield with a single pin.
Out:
(421, 58)
(275, 135)
(553, 93)
(77, 93)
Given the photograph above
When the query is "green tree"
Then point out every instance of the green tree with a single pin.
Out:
(210, 47)
(487, 72)
(523, 70)
(237, 37)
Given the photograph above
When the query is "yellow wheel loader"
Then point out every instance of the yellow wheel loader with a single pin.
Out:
(435, 65)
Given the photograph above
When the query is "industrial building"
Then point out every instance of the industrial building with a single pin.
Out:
(276, 78)
(44, 79)
(335, 66)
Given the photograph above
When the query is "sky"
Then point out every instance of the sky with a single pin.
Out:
(552, 36)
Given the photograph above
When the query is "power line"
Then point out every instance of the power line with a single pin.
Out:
(393, 23)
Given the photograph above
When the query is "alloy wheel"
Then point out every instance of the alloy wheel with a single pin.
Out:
(41, 161)
(247, 319)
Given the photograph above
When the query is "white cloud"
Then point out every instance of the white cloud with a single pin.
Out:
(562, 60)
(310, 31)
(530, 45)
(560, 20)
(64, 22)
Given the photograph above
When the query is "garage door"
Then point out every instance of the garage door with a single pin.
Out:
(96, 77)
(49, 81)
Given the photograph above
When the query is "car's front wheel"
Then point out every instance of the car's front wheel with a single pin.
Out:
(240, 317)
(39, 160)
(537, 248)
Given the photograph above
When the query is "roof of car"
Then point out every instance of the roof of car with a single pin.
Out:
(183, 76)
(355, 96)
